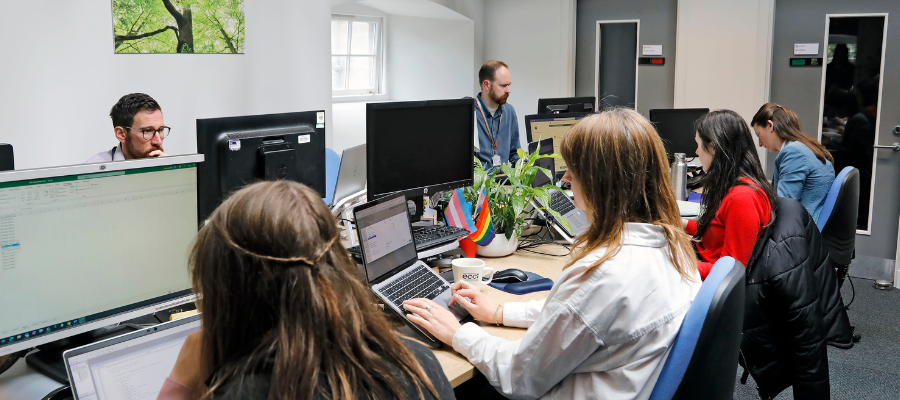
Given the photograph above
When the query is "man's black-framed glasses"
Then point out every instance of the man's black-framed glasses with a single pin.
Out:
(150, 132)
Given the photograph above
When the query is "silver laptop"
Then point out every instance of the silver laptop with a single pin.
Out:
(132, 366)
(392, 267)
(351, 176)
(559, 201)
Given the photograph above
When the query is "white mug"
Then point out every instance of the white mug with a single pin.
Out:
(471, 270)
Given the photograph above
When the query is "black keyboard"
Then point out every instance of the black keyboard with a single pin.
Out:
(429, 237)
(414, 283)
(560, 203)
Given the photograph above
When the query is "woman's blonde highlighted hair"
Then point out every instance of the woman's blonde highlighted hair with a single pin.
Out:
(620, 163)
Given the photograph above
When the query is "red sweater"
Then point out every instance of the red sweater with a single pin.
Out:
(736, 227)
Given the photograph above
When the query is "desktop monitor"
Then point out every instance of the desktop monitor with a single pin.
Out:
(676, 128)
(554, 126)
(419, 147)
(7, 162)
(243, 150)
(87, 246)
(563, 105)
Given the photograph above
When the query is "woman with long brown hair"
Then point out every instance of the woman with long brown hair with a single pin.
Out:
(803, 168)
(285, 315)
(737, 199)
(614, 311)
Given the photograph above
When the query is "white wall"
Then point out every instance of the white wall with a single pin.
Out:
(59, 76)
(426, 58)
(536, 38)
(724, 53)
(429, 58)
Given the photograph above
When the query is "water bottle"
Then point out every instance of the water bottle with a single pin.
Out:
(678, 173)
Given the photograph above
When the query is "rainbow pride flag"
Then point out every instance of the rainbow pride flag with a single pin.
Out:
(484, 233)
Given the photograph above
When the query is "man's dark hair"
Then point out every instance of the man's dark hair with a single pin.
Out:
(488, 70)
(123, 112)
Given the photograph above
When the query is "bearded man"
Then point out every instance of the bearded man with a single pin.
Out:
(139, 127)
(496, 126)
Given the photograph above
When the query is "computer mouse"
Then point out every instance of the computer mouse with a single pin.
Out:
(511, 275)
(441, 263)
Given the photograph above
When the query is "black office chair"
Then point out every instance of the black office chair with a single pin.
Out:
(703, 360)
(7, 163)
(837, 221)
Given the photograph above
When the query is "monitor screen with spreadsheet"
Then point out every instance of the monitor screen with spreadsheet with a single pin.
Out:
(554, 126)
(86, 246)
(132, 366)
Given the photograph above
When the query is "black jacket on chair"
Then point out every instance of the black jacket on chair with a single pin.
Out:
(793, 307)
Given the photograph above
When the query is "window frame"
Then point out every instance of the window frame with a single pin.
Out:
(378, 90)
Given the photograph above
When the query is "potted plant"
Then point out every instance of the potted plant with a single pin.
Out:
(508, 197)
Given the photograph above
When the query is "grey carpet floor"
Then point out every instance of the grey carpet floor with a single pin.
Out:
(871, 369)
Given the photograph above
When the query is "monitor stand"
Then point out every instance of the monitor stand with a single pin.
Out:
(48, 360)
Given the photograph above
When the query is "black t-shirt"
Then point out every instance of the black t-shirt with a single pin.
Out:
(256, 386)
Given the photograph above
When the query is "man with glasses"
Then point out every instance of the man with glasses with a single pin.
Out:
(138, 123)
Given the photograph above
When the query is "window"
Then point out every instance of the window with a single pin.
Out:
(356, 67)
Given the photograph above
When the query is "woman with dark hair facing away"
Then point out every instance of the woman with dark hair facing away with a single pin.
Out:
(803, 168)
(613, 313)
(737, 198)
(284, 313)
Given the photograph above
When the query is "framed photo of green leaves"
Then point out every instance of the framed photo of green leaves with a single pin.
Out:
(178, 26)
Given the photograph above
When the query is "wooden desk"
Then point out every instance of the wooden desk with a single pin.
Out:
(456, 367)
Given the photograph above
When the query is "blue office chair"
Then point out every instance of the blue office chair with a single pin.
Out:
(332, 165)
(837, 221)
(703, 360)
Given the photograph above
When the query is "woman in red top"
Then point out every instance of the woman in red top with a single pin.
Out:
(737, 198)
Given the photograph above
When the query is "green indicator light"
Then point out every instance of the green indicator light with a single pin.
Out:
(798, 61)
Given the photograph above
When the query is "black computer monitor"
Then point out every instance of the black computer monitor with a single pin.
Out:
(566, 105)
(84, 247)
(7, 162)
(419, 147)
(242, 150)
(676, 128)
(546, 148)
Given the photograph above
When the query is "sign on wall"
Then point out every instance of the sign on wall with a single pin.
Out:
(806, 49)
(178, 26)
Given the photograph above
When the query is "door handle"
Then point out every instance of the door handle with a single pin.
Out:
(895, 147)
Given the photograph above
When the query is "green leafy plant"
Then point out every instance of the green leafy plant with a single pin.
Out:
(509, 194)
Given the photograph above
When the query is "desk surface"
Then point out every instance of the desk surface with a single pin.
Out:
(456, 367)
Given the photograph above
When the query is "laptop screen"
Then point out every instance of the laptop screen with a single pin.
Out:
(128, 369)
(385, 236)
(546, 148)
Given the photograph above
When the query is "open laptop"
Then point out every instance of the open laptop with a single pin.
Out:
(559, 202)
(351, 176)
(392, 267)
(132, 366)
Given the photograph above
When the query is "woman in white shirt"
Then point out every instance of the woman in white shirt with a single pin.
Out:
(612, 315)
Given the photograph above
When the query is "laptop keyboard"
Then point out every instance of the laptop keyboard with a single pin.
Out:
(560, 203)
(429, 236)
(414, 283)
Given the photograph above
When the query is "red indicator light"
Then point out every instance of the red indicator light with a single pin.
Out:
(656, 61)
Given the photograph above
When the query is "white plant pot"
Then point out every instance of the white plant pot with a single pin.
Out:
(499, 247)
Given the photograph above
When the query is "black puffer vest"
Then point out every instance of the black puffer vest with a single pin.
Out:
(793, 308)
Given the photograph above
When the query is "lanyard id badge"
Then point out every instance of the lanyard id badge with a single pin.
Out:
(496, 158)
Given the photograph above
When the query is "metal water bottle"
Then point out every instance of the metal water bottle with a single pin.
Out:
(678, 173)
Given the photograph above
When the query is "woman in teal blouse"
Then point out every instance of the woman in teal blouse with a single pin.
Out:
(803, 167)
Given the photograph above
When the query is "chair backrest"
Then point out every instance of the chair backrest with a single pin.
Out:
(703, 360)
(7, 162)
(332, 165)
(837, 221)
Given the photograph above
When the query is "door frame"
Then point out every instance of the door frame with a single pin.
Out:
(637, 55)
(828, 17)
